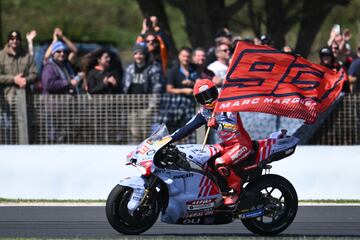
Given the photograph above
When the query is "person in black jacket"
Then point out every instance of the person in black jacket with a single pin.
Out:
(102, 75)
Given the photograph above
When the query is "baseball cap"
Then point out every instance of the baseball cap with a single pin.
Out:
(325, 51)
(265, 39)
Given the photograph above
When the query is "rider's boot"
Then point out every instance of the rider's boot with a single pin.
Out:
(233, 181)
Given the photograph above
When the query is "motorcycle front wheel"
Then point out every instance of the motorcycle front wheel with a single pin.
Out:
(279, 201)
(121, 220)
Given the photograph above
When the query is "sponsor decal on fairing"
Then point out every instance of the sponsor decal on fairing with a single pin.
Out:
(253, 214)
(192, 221)
(187, 175)
(200, 204)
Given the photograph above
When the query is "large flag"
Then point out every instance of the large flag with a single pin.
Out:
(263, 79)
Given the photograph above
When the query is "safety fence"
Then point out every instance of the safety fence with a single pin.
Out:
(129, 119)
(8, 121)
(97, 119)
(342, 127)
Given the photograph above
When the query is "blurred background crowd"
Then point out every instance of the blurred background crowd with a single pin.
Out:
(62, 66)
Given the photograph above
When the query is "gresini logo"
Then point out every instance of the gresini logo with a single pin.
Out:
(184, 176)
(254, 101)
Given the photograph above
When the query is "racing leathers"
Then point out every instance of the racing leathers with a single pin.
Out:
(236, 144)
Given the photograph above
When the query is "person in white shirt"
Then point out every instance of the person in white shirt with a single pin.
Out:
(220, 66)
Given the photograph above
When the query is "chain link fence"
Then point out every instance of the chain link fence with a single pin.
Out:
(97, 119)
(8, 121)
(342, 127)
(129, 119)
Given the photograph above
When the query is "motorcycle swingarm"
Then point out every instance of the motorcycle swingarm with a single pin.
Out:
(247, 200)
(252, 214)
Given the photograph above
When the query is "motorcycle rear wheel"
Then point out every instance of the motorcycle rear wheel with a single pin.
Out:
(121, 220)
(280, 203)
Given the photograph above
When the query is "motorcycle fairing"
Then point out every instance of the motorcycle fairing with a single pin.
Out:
(195, 154)
(189, 193)
(134, 182)
(273, 149)
(146, 150)
(137, 183)
(283, 144)
(283, 148)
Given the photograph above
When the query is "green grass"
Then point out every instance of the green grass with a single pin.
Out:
(10, 200)
(206, 237)
(339, 201)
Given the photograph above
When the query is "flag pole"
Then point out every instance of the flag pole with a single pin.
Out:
(208, 130)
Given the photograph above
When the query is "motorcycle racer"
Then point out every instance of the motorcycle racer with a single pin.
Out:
(236, 143)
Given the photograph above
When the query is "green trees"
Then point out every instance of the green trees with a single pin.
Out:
(300, 23)
(274, 17)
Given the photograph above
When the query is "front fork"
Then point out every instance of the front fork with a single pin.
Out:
(141, 195)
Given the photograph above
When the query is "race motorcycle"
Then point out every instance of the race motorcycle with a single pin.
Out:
(180, 182)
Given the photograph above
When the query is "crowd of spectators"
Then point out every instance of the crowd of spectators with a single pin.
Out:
(151, 71)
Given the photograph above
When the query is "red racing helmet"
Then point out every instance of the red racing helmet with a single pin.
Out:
(205, 91)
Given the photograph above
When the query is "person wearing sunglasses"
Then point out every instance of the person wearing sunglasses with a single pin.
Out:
(17, 66)
(220, 66)
(58, 35)
(17, 71)
(156, 40)
(58, 77)
(156, 48)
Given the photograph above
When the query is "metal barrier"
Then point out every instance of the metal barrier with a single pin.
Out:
(129, 119)
(8, 121)
(97, 119)
(342, 127)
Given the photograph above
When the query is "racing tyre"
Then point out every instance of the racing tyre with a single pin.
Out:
(121, 220)
(279, 201)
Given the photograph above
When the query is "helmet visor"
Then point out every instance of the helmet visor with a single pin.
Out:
(207, 96)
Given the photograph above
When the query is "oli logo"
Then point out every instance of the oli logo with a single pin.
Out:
(192, 221)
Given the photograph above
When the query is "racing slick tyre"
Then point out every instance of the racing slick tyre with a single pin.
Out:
(121, 220)
(279, 201)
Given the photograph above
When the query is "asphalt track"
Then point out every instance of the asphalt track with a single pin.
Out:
(90, 222)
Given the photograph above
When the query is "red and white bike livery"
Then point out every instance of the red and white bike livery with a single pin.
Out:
(179, 182)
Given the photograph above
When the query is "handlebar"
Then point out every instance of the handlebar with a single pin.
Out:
(171, 157)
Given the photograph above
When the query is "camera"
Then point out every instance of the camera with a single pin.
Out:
(336, 28)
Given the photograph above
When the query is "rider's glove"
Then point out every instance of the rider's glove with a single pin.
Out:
(212, 123)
